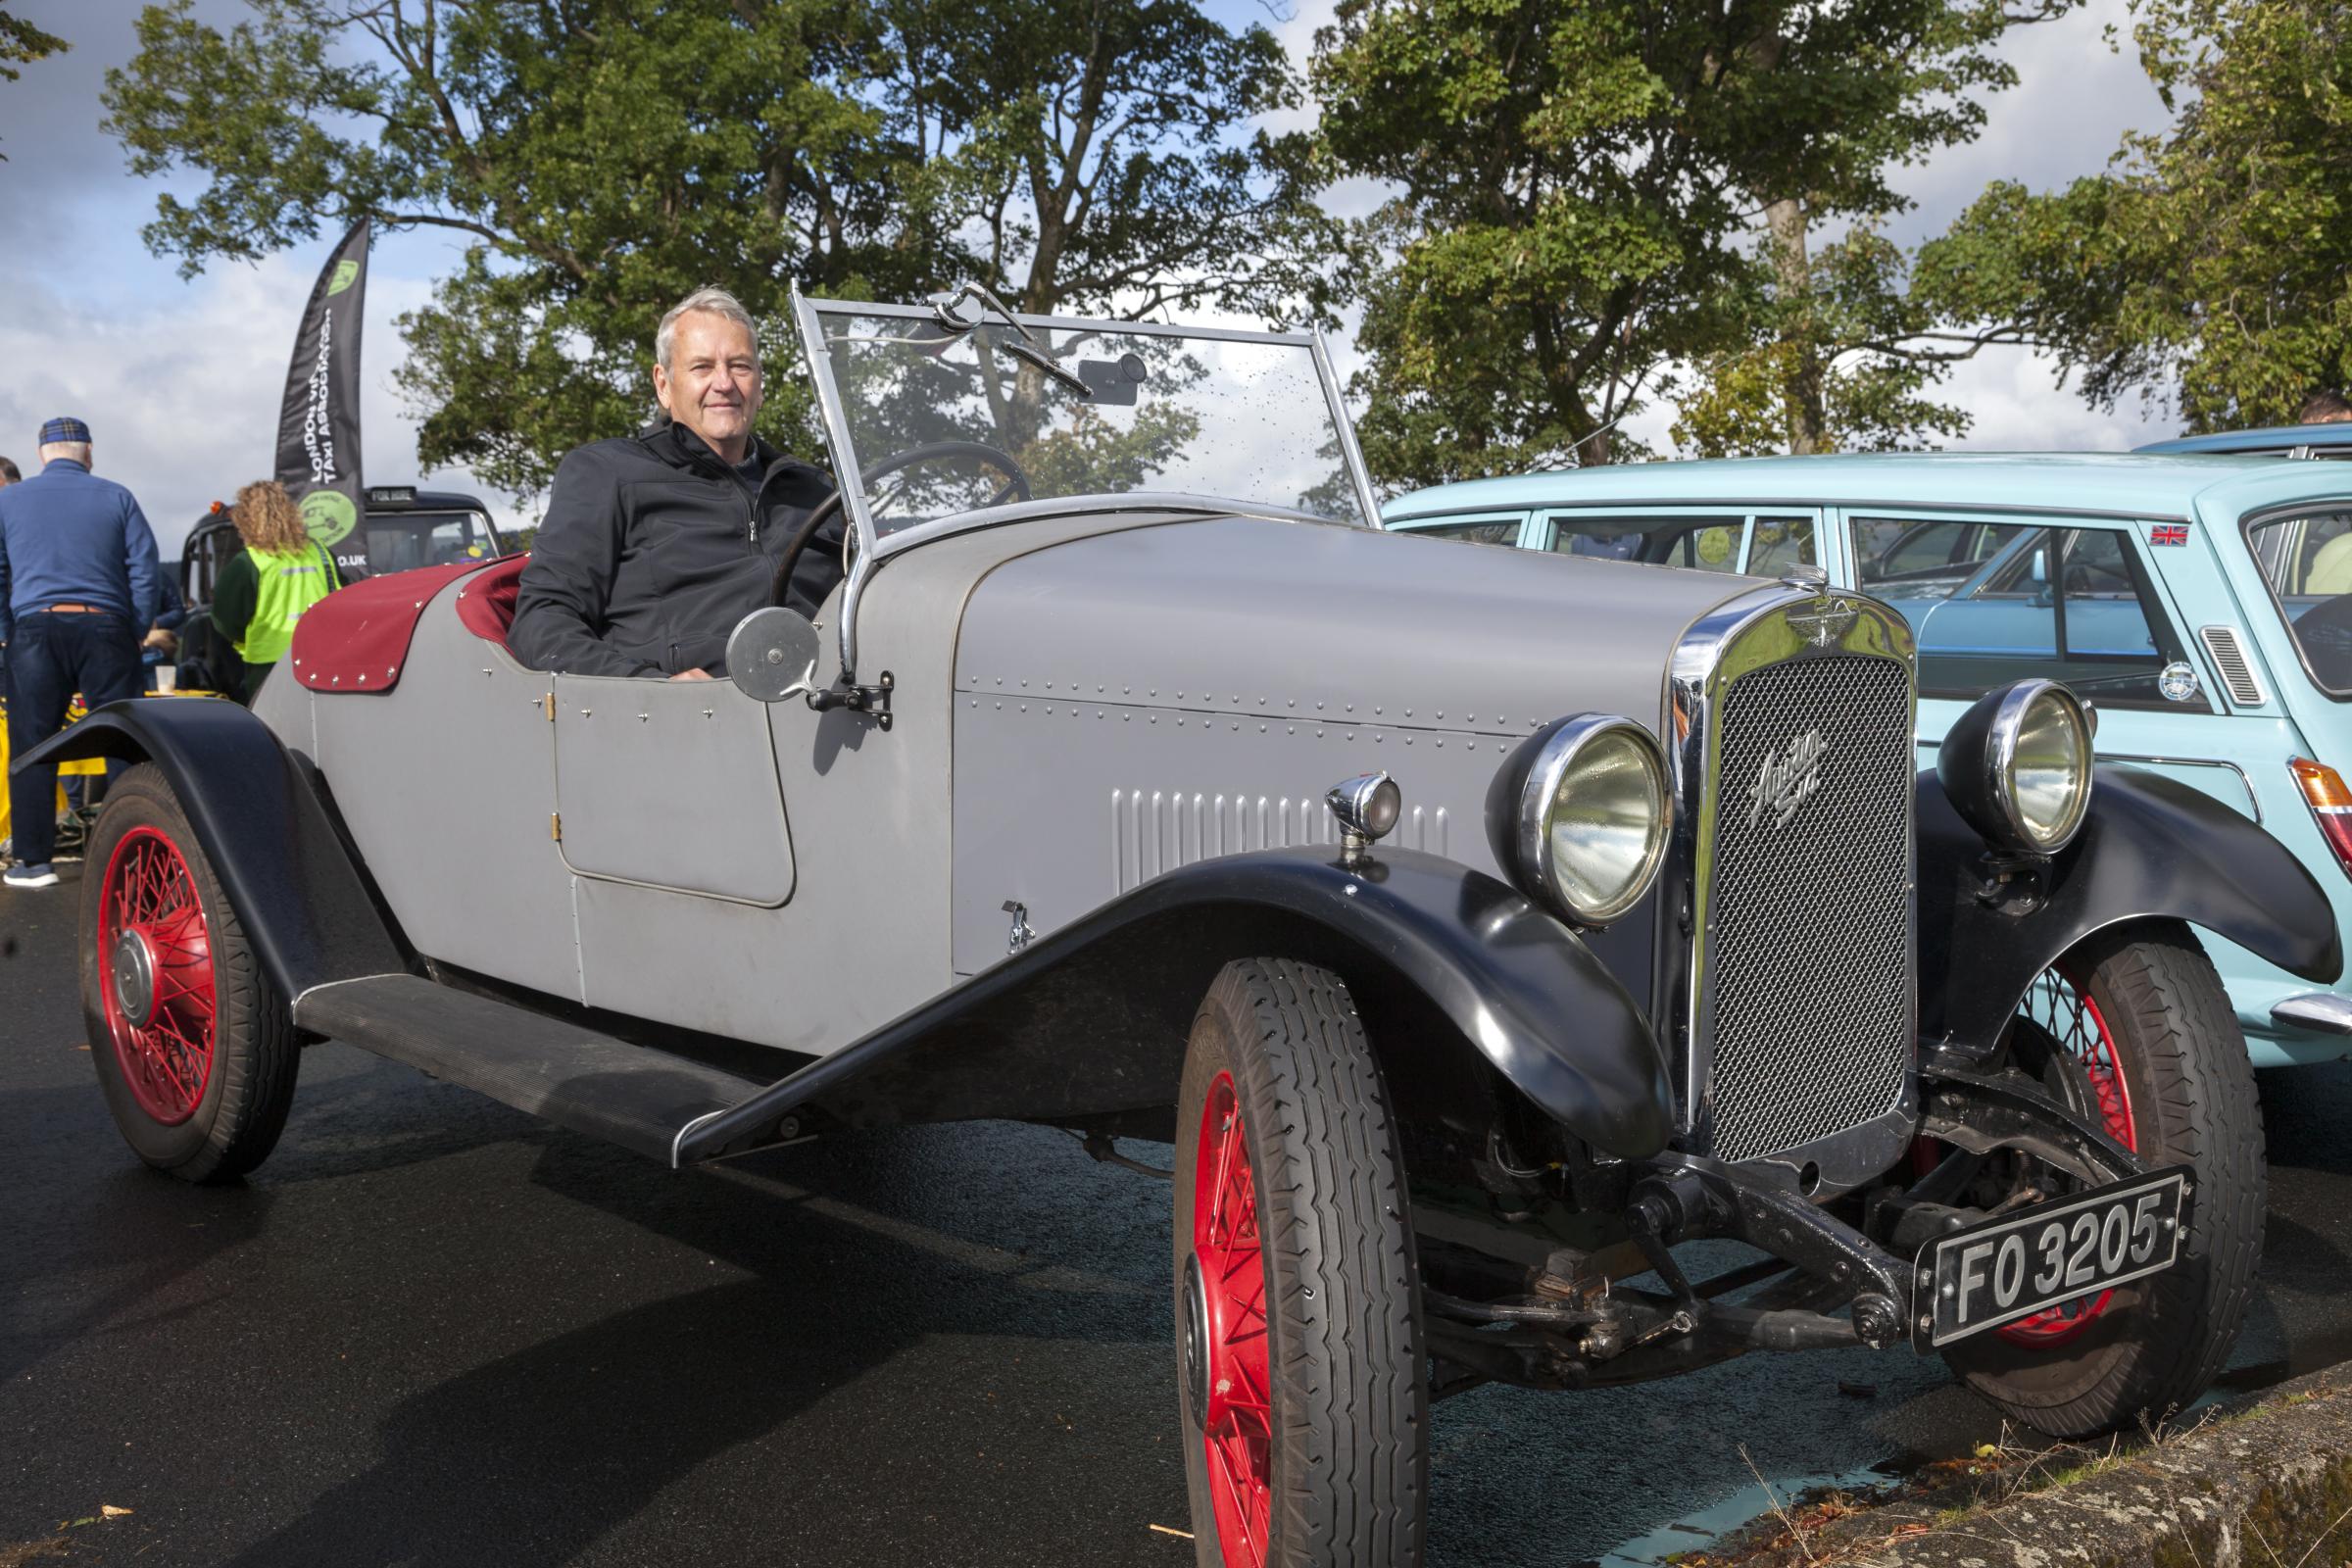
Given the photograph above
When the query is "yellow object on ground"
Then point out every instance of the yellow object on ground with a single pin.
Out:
(94, 767)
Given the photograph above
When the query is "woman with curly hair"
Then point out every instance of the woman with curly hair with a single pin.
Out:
(263, 590)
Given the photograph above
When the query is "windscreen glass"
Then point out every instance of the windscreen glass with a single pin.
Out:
(400, 541)
(2307, 559)
(947, 420)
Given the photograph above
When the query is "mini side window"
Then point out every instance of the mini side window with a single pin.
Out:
(1760, 545)
(1474, 530)
(1779, 543)
(2306, 558)
(1911, 558)
(2069, 605)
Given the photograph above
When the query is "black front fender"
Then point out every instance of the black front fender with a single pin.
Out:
(260, 819)
(2149, 849)
(1451, 967)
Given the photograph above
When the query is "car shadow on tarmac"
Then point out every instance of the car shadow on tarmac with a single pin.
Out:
(531, 1459)
(149, 1253)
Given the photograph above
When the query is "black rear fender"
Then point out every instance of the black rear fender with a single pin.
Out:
(1461, 982)
(259, 813)
(2149, 849)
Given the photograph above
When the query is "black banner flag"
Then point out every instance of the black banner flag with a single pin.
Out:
(319, 423)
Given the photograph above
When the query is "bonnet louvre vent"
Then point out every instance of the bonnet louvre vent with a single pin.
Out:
(2236, 675)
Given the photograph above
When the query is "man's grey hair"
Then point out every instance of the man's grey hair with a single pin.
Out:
(79, 451)
(713, 300)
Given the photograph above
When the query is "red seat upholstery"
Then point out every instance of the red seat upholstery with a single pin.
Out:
(357, 638)
(486, 601)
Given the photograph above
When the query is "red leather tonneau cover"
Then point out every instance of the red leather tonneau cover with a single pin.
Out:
(357, 638)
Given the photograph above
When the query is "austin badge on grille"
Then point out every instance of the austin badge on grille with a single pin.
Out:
(1788, 777)
(1824, 620)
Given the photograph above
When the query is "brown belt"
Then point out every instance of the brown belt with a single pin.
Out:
(73, 609)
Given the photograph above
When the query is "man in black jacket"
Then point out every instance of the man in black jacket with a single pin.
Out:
(656, 545)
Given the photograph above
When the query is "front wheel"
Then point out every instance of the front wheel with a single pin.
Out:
(2134, 1028)
(194, 1048)
(1300, 1355)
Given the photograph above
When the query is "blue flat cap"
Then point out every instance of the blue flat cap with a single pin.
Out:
(64, 429)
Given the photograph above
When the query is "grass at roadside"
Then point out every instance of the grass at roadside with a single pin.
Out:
(1996, 1495)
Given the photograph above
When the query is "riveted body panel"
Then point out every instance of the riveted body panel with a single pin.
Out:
(865, 937)
(1135, 702)
(446, 784)
(622, 750)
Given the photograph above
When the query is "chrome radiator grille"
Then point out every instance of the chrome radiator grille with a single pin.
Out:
(1808, 913)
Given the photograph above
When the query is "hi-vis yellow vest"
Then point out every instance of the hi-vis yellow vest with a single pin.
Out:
(291, 582)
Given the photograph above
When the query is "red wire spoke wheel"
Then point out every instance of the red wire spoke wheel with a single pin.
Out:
(2075, 1021)
(194, 1046)
(1302, 1373)
(1236, 1430)
(2132, 1025)
(155, 974)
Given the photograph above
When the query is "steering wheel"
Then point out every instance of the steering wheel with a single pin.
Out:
(1016, 487)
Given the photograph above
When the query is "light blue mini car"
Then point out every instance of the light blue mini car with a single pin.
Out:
(2202, 603)
(2333, 440)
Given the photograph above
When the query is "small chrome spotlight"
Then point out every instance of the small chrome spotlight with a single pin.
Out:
(1367, 807)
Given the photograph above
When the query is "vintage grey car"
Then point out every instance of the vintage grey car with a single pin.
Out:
(1474, 957)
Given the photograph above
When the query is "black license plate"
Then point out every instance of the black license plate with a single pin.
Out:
(2004, 1269)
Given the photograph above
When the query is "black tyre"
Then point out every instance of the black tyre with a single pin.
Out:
(193, 1046)
(2136, 1027)
(1297, 1301)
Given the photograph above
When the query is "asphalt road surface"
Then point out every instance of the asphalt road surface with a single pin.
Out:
(432, 1331)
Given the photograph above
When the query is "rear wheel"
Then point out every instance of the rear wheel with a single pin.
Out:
(1301, 1356)
(194, 1048)
(2135, 1029)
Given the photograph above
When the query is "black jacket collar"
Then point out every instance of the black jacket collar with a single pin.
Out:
(680, 448)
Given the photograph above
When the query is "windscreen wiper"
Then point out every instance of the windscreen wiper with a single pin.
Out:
(964, 310)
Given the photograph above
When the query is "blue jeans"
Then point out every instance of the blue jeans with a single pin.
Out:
(53, 657)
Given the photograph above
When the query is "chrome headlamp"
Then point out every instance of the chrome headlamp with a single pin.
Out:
(1578, 816)
(2017, 767)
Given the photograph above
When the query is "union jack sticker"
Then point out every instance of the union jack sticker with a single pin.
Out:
(2170, 533)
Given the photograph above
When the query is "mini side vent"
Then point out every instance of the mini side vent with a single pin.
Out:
(1152, 831)
(2230, 660)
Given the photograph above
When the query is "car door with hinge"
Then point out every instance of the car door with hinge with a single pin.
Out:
(670, 784)
(1999, 596)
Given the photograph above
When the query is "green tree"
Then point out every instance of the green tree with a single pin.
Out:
(603, 157)
(21, 44)
(2210, 267)
(1842, 358)
(1594, 198)
(1554, 236)
(1839, 354)
(1102, 156)
(600, 157)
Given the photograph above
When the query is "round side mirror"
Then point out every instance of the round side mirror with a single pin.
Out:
(771, 655)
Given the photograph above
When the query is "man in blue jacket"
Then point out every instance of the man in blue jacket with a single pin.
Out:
(79, 588)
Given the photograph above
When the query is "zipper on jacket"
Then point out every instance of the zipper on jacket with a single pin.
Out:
(773, 469)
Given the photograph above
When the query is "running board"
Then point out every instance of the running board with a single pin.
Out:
(592, 1083)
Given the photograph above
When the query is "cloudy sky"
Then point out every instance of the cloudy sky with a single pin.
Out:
(181, 379)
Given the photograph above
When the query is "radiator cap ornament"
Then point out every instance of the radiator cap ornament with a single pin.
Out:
(1824, 620)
